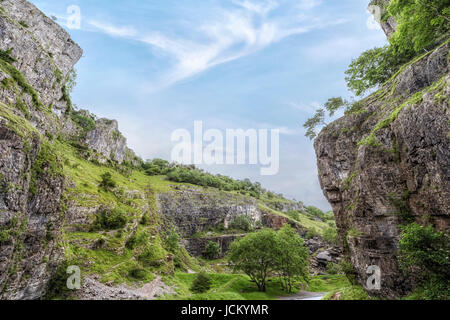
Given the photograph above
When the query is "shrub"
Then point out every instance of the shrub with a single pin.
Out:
(153, 256)
(212, 250)
(330, 235)
(84, 121)
(172, 241)
(107, 182)
(57, 287)
(373, 68)
(333, 268)
(347, 268)
(243, 223)
(131, 242)
(294, 215)
(138, 273)
(110, 220)
(201, 284)
(312, 233)
(424, 251)
(5, 55)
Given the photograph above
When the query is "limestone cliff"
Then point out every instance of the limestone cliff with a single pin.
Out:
(390, 162)
(37, 56)
(56, 210)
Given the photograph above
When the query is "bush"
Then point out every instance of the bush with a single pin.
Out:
(333, 268)
(347, 268)
(312, 233)
(212, 250)
(201, 284)
(138, 273)
(57, 287)
(131, 242)
(294, 215)
(85, 122)
(107, 182)
(243, 223)
(153, 256)
(373, 68)
(110, 220)
(425, 253)
(172, 241)
(330, 235)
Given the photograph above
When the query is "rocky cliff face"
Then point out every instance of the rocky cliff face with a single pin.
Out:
(379, 9)
(388, 163)
(37, 56)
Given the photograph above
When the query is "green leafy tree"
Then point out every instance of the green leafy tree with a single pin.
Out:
(291, 258)
(254, 255)
(107, 182)
(172, 239)
(108, 219)
(201, 284)
(312, 123)
(422, 24)
(373, 68)
(422, 247)
(426, 253)
(212, 250)
(242, 223)
(334, 104)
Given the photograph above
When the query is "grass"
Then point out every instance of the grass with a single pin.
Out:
(337, 284)
(239, 287)
(303, 220)
(224, 287)
(327, 283)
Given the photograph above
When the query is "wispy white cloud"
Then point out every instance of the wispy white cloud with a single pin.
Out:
(262, 7)
(308, 4)
(308, 108)
(124, 31)
(233, 33)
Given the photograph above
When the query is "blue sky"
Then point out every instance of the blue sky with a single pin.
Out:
(157, 66)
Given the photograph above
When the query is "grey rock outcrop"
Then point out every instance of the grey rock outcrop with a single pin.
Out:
(193, 210)
(44, 55)
(379, 9)
(389, 160)
(197, 246)
(37, 56)
(31, 217)
(106, 139)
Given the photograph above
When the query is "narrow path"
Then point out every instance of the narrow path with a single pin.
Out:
(305, 295)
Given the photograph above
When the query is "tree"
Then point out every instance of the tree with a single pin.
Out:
(334, 104)
(426, 253)
(254, 255)
(201, 284)
(107, 182)
(172, 239)
(291, 257)
(242, 223)
(312, 123)
(212, 250)
(373, 68)
(421, 24)
(425, 249)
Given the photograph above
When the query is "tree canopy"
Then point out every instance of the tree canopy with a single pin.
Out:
(266, 253)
